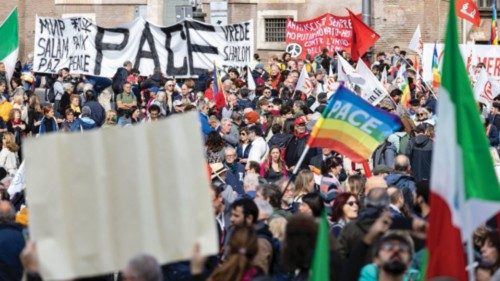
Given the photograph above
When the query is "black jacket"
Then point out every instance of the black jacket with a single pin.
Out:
(419, 151)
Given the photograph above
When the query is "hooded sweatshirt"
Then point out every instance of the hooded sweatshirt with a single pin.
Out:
(420, 153)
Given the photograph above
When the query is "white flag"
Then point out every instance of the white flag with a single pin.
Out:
(347, 73)
(373, 90)
(383, 77)
(18, 183)
(486, 88)
(250, 81)
(400, 76)
(416, 43)
(304, 84)
(114, 199)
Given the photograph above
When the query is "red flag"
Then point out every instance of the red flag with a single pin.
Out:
(363, 37)
(467, 10)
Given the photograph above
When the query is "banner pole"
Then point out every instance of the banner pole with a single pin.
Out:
(366, 167)
(296, 168)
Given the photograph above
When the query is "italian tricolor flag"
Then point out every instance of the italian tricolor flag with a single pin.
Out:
(9, 42)
(464, 188)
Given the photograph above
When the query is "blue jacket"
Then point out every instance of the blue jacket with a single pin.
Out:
(86, 123)
(97, 112)
(11, 245)
(403, 182)
(235, 179)
(43, 129)
(205, 127)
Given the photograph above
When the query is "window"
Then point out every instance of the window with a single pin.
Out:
(271, 28)
(275, 29)
(485, 4)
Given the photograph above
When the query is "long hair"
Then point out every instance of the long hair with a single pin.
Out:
(242, 250)
(10, 143)
(214, 142)
(269, 162)
(34, 103)
(302, 181)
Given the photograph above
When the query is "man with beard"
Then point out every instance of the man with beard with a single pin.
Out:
(393, 255)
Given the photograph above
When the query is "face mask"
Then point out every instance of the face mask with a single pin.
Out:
(394, 268)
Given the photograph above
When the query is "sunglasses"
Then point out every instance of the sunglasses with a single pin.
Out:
(352, 203)
(421, 114)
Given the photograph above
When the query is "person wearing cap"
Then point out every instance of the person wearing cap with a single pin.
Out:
(251, 118)
(218, 177)
(297, 145)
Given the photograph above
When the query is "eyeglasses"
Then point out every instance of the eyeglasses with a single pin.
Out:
(352, 203)
(392, 245)
(421, 114)
(170, 85)
(231, 155)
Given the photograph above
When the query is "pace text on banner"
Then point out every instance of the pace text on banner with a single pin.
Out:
(122, 192)
(180, 50)
(352, 126)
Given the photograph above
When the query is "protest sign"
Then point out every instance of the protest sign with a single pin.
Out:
(309, 37)
(181, 50)
(487, 54)
(109, 195)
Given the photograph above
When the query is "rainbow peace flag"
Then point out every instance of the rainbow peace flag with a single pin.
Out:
(436, 75)
(406, 96)
(352, 126)
(217, 85)
(494, 31)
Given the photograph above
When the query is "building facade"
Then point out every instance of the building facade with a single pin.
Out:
(394, 20)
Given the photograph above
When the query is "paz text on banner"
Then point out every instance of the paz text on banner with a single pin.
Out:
(181, 50)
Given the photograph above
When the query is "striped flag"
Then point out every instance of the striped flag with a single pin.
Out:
(436, 75)
(9, 42)
(352, 126)
(464, 188)
(494, 31)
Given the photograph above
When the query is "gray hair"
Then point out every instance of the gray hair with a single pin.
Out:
(229, 149)
(201, 104)
(265, 208)
(226, 120)
(250, 182)
(145, 268)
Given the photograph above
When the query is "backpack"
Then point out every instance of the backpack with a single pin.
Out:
(378, 156)
(403, 143)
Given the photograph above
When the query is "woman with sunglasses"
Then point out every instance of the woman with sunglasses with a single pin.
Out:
(345, 209)
(244, 146)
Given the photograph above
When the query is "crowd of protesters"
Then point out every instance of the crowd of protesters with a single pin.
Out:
(266, 217)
